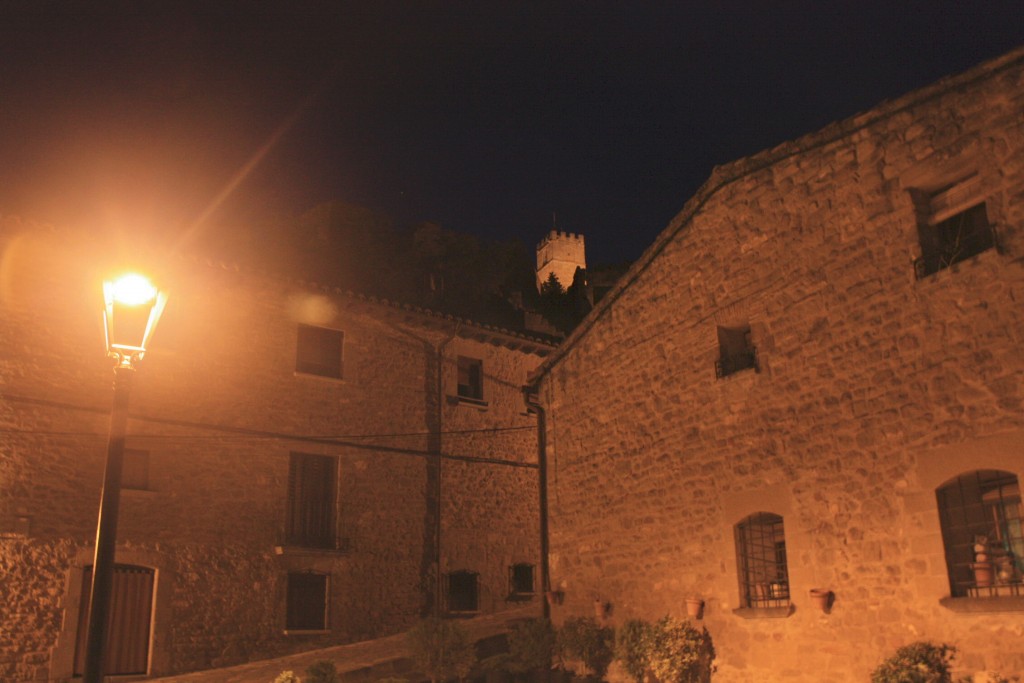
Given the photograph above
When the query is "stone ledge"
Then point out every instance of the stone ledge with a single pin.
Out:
(764, 612)
(997, 603)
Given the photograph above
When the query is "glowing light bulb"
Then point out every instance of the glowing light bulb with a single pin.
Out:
(132, 290)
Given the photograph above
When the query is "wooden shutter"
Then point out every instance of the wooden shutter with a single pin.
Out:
(129, 623)
(312, 481)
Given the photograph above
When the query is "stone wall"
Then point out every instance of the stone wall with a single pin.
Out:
(219, 406)
(874, 389)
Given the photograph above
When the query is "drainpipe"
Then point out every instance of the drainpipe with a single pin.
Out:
(439, 588)
(532, 398)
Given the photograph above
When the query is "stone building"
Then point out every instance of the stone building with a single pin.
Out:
(560, 253)
(305, 467)
(813, 379)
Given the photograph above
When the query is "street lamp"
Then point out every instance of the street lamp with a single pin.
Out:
(133, 307)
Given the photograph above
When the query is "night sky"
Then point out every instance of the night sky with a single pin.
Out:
(484, 117)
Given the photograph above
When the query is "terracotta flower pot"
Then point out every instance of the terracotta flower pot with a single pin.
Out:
(694, 607)
(822, 599)
(983, 574)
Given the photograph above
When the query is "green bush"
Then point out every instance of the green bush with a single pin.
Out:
(531, 644)
(679, 653)
(287, 677)
(583, 639)
(441, 650)
(920, 662)
(323, 671)
(632, 647)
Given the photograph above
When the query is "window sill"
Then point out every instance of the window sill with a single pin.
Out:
(764, 612)
(304, 632)
(988, 605)
(473, 402)
(300, 550)
(520, 597)
(463, 615)
(323, 378)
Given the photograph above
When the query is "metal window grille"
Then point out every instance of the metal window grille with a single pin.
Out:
(318, 351)
(306, 608)
(129, 623)
(471, 378)
(311, 516)
(980, 517)
(521, 579)
(761, 554)
(463, 591)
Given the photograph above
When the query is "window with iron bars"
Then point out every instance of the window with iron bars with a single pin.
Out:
(953, 225)
(311, 513)
(980, 516)
(761, 556)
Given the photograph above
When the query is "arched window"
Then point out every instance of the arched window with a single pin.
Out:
(979, 513)
(761, 559)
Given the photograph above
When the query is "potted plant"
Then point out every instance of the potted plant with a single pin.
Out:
(584, 640)
(679, 653)
(982, 565)
(921, 661)
(822, 599)
(441, 649)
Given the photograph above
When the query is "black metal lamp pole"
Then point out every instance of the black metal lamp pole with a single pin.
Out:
(106, 528)
(139, 306)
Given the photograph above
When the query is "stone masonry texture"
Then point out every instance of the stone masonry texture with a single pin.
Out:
(218, 405)
(874, 389)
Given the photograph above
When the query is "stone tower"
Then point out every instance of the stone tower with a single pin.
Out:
(560, 253)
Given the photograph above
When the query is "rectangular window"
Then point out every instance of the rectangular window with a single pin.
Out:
(128, 625)
(521, 579)
(736, 351)
(319, 351)
(761, 556)
(135, 471)
(462, 592)
(312, 483)
(471, 378)
(953, 226)
(306, 602)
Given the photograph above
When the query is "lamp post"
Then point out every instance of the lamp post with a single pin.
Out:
(133, 307)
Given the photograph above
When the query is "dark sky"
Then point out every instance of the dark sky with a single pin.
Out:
(483, 116)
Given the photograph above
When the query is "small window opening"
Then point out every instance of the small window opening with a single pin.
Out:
(953, 226)
(318, 351)
(463, 593)
(521, 579)
(471, 378)
(135, 470)
(736, 351)
(306, 602)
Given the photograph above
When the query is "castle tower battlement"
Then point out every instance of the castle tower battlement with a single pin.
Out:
(560, 253)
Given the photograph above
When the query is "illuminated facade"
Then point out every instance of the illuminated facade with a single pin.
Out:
(305, 467)
(805, 403)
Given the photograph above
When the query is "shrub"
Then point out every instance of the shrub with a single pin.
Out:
(530, 646)
(323, 671)
(441, 649)
(583, 639)
(679, 653)
(287, 677)
(920, 662)
(632, 647)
